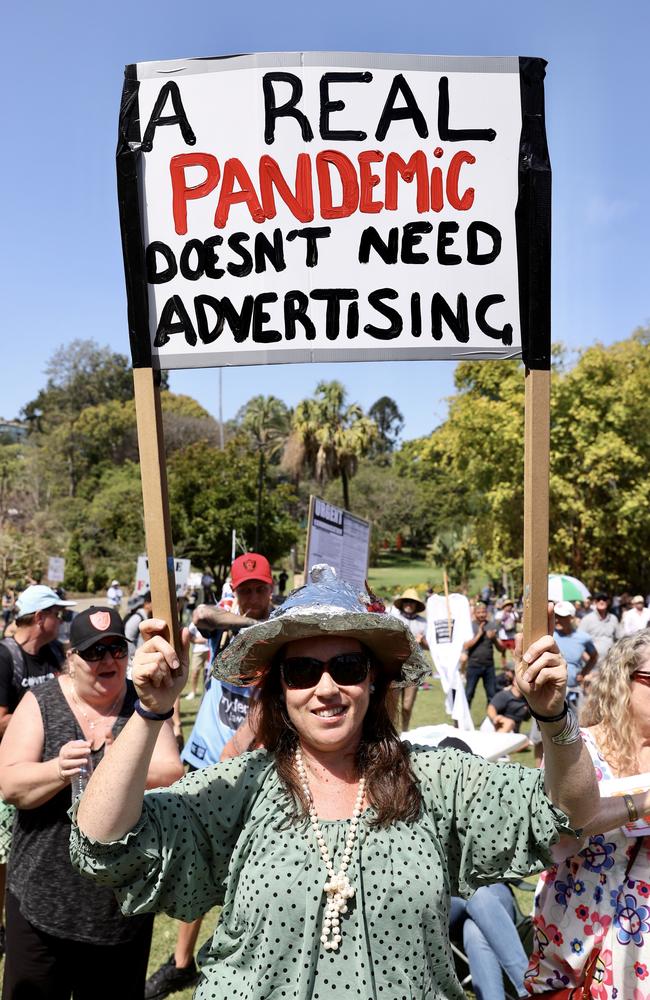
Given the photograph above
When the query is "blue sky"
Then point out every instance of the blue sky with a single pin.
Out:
(62, 70)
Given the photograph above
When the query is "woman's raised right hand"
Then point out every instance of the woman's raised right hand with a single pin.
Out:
(158, 674)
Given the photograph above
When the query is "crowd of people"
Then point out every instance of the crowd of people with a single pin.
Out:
(344, 859)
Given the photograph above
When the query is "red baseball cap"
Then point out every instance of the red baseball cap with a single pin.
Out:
(250, 566)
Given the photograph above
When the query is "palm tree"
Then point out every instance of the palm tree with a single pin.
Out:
(328, 438)
(266, 421)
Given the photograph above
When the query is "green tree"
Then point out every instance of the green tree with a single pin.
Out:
(390, 422)
(600, 454)
(328, 438)
(393, 503)
(213, 491)
(457, 554)
(76, 577)
(265, 420)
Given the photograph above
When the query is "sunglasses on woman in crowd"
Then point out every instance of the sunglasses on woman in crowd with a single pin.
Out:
(118, 650)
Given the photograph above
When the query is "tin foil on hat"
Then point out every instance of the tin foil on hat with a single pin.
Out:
(324, 589)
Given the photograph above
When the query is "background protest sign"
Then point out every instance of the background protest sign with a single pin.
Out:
(182, 569)
(56, 569)
(287, 207)
(336, 537)
(290, 207)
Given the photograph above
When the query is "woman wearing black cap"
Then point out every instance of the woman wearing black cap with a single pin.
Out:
(333, 851)
(66, 935)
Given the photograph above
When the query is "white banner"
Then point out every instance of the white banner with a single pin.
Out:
(326, 206)
(446, 647)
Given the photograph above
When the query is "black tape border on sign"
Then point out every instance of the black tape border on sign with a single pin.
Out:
(128, 196)
(533, 219)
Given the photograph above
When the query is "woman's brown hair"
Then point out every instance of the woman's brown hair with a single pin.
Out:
(382, 757)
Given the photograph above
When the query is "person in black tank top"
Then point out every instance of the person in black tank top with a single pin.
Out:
(65, 935)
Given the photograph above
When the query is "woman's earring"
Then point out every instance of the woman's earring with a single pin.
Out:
(372, 688)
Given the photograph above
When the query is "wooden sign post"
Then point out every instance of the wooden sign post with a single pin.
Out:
(157, 524)
(536, 472)
(318, 206)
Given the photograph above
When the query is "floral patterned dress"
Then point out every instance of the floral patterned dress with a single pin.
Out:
(595, 905)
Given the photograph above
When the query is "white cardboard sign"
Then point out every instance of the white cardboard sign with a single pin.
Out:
(323, 207)
(182, 569)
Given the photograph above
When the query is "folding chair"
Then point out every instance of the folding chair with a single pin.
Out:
(524, 924)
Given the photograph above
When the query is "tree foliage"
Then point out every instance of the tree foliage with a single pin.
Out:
(265, 423)
(213, 492)
(600, 452)
(72, 486)
(329, 437)
(390, 422)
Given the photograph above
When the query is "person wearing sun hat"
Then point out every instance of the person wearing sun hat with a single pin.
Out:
(334, 848)
(408, 608)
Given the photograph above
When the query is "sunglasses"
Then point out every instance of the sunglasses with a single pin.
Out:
(118, 650)
(641, 678)
(305, 672)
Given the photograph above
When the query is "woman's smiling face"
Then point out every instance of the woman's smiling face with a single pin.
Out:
(329, 716)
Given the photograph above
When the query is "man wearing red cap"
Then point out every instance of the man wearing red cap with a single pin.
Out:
(225, 706)
(221, 723)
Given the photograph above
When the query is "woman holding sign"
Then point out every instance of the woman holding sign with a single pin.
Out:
(592, 910)
(334, 850)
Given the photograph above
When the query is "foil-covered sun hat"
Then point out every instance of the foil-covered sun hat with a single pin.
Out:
(324, 606)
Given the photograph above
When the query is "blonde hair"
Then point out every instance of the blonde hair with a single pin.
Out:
(608, 706)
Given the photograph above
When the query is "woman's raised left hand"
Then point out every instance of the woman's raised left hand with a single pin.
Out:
(542, 673)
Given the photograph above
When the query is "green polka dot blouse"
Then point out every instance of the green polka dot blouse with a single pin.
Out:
(223, 835)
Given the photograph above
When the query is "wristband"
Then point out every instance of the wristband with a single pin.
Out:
(152, 716)
(571, 732)
(632, 810)
(550, 718)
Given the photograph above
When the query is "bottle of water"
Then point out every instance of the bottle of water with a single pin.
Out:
(79, 781)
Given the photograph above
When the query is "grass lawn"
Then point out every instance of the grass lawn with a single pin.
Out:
(397, 570)
(428, 710)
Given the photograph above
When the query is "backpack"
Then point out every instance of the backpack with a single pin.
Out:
(134, 611)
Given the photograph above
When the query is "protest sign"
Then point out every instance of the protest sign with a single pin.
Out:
(182, 569)
(290, 207)
(56, 569)
(449, 626)
(330, 206)
(336, 537)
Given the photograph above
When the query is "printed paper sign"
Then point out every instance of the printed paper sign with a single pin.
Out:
(340, 539)
(290, 207)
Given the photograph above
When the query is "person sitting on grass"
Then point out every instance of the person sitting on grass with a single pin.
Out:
(508, 709)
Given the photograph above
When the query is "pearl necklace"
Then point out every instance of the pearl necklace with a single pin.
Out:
(337, 888)
(100, 718)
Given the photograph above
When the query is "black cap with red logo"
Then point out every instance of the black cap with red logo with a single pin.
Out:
(93, 624)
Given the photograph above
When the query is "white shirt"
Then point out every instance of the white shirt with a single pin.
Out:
(634, 620)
